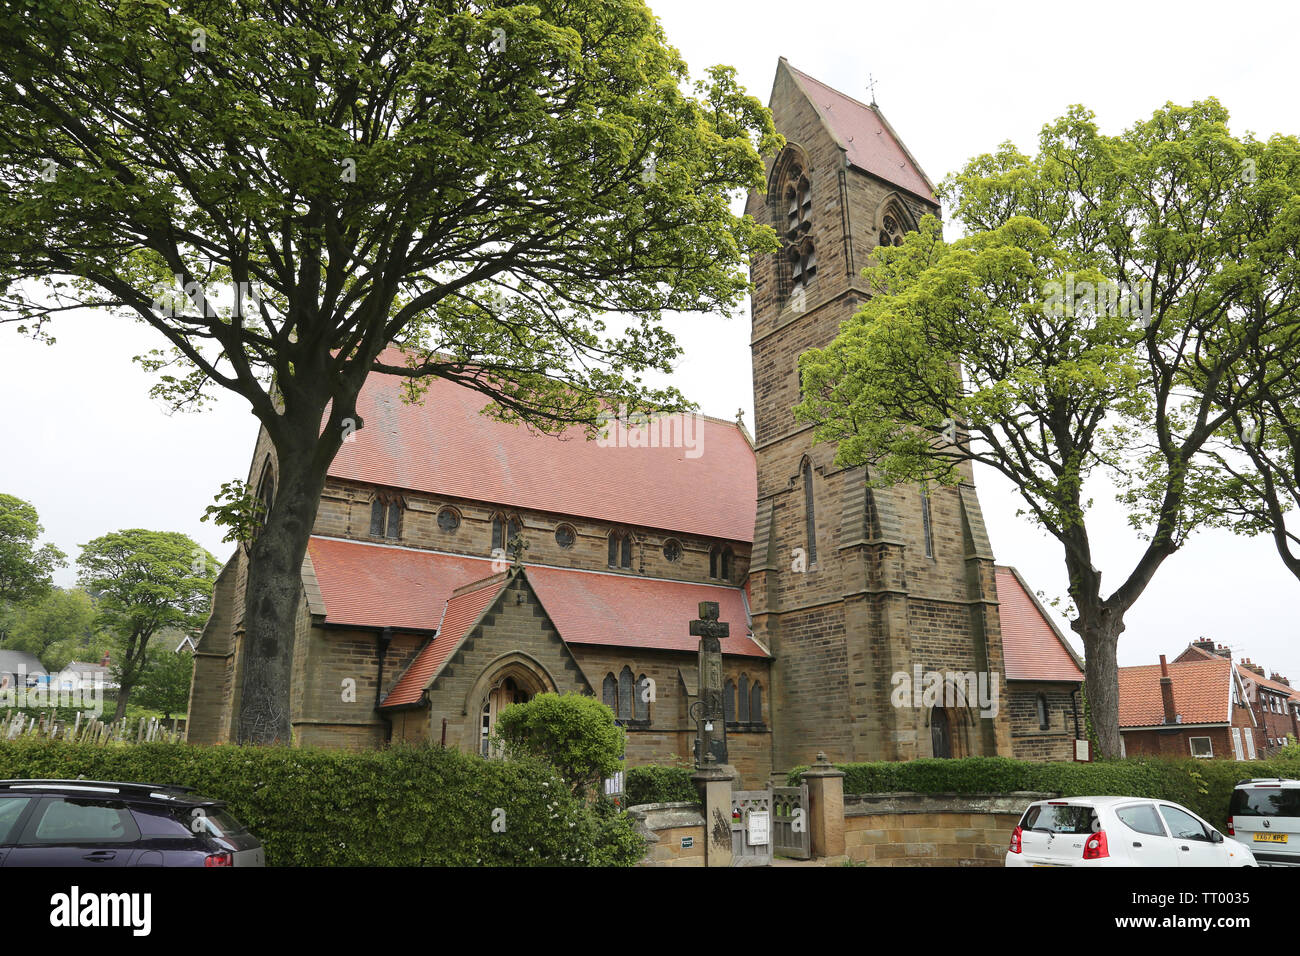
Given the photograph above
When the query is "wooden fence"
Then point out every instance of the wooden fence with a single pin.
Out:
(91, 730)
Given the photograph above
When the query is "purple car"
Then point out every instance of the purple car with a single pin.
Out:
(102, 824)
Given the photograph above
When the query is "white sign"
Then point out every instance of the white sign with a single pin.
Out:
(757, 828)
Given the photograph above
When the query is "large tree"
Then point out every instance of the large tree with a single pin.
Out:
(58, 628)
(26, 571)
(480, 183)
(145, 582)
(165, 683)
(1074, 339)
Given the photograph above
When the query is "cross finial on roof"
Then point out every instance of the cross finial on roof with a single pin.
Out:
(740, 416)
(871, 88)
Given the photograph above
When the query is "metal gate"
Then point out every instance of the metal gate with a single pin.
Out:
(790, 834)
(751, 827)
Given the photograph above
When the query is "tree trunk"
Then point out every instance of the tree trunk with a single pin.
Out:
(1100, 629)
(274, 585)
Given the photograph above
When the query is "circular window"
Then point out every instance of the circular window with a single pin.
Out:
(673, 549)
(448, 520)
(565, 536)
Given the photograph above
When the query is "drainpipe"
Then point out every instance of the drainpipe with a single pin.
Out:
(382, 640)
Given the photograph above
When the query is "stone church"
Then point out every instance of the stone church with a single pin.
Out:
(459, 564)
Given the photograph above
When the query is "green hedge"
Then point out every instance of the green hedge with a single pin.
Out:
(655, 784)
(405, 806)
(1203, 786)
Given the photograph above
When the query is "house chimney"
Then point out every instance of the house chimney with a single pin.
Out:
(1252, 667)
(1279, 679)
(1224, 652)
(1167, 691)
(1205, 644)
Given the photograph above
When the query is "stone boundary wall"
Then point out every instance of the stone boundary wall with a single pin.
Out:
(932, 829)
(664, 825)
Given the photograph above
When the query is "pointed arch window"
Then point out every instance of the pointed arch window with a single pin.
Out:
(756, 703)
(609, 693)
(641, 703)
(743, 699)
(803, 263)
(503, 529)
(620, 549)
(798, 204)
(386, 515)
(265, 493)
(626, 693)
(729, 701)
(720, 562)
(926, 525)
(809, 513)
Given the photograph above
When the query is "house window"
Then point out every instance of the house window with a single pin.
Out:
(756, 703)
(743, 699)
(1043, 719)
(672, 550)
(1201, 747)
(729, 701)
(810, 513)
(620, 549)
(926, 528)
(720, 560)
(609, 693)
(386, 517)
(565, 536)
(448, 520)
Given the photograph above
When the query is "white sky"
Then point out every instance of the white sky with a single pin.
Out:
(87, 446)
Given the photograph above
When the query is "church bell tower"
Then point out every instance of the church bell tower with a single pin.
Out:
(854, 586)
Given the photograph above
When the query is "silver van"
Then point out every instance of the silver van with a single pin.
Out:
(1265, 815)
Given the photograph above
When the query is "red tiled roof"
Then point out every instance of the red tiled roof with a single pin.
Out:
(1201, 693)
(444, 446)
(463, 609)
(1032, 648)
(371, 585)
(625, 611)
(868, 141)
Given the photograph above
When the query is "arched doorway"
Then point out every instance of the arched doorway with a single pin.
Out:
(940, 732)
(498, 698)
(512, 679)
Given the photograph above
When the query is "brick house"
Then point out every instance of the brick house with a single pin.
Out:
(1273, 702)
(1194, 707)
(415, 623)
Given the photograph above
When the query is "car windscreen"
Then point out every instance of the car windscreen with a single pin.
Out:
(215, 821)
(1265, 802)
(1059, 818)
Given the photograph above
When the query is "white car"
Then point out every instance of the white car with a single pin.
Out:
(1119, 831)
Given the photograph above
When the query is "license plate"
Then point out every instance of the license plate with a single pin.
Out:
(1270, 837)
